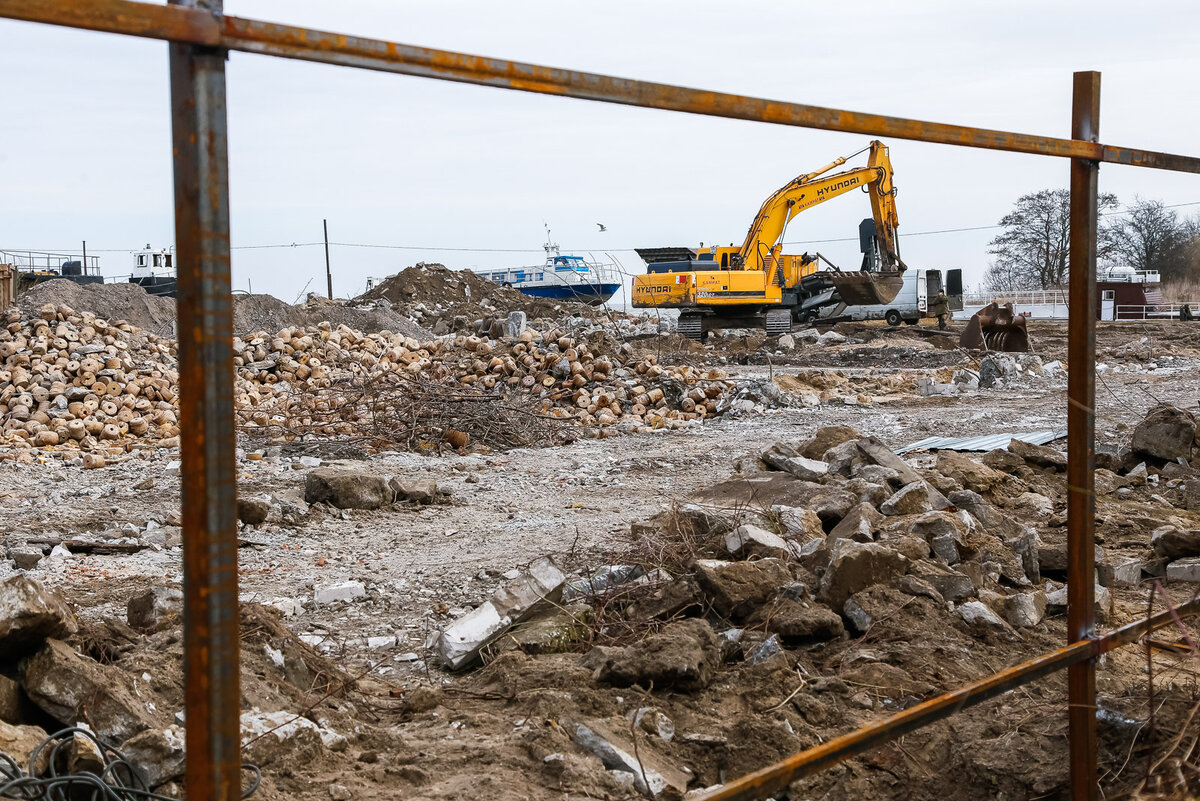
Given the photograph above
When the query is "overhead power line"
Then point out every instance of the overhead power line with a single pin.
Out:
(439, 249)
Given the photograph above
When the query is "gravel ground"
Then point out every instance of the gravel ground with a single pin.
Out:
(423, 565)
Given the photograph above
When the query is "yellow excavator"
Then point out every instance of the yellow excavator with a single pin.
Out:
(756, 286)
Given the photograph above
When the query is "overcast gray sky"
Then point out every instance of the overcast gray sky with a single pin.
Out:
(391, 160)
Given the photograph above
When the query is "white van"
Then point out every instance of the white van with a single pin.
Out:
(912, 303)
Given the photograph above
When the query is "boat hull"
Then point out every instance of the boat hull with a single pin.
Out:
(592, 294)
(156, 285)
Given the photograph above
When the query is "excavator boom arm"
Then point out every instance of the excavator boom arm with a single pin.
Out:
(763, 239)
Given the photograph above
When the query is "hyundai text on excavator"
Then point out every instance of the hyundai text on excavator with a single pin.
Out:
(756, 286)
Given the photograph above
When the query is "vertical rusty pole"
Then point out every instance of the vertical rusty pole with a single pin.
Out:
(328, 274)
(1081, 395)
(205, 337)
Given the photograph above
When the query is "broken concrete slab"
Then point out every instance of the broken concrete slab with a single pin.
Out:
(798, 622)
(915, 498)
(31, 613)
(347, 489)
(1032, 505)
(600, 582)
(978, 616)
(72, 688)
(747, 541)
(681, 596)
(1166, 433)
(827, 437)
(541, 582)
(269, 737)
(1038, 455)
(652, 776)
(736, 589)
(800, 523)
(1173, 542)
(928, 387)
(876, 453)
(460, 642)
(787, 459)
(19, 742)
(953, 585)
(1056, 601)
(684, 655)
(1025, 609)
(159, 753)
(968, 472)
(1184, 570)
(854, 566)
(324, 594)
(418, 491)
(1126, 571)
(253, 511)
(552, 631)
(859, 525)
(155, 609)
(25, 558)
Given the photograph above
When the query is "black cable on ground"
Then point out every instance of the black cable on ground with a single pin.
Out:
(118, 780)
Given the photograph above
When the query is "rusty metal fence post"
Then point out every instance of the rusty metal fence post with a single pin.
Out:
(1081, 419)
(207, 438)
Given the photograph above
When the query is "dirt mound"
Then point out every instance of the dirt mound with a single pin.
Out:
(253, 313)
(444, 294)
(131, 303)
(368, 318)
(128, 302)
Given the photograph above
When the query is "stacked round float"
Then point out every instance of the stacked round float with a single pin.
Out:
(73, 380)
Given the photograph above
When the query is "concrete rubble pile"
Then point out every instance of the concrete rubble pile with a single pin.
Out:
(819, 542)
(52, 677)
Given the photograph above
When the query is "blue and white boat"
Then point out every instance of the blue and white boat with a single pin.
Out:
(562, 278)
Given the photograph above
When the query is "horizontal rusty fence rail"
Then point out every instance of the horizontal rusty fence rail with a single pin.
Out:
(201, 36)
(254, 36)
(774, 778)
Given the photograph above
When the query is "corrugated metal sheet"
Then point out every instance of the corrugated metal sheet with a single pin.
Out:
(983, 443)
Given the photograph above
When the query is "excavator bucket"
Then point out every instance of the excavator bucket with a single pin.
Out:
(996, 327)
(866, 288)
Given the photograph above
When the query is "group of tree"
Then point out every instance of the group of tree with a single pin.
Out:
(1032, 250)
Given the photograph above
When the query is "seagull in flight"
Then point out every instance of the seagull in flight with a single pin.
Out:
(602, 227)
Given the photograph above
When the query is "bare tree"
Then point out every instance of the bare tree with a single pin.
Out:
(1032, 252)
(1149, 236)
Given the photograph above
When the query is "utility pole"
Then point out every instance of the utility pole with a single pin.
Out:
(84, 265)
(328, 274)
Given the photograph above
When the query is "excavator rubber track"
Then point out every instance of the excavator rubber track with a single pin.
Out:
(691, 326)
(777, 321)
(865, 288)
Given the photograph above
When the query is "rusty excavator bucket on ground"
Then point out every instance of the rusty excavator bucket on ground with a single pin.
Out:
(996, 327)
(866, 288)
